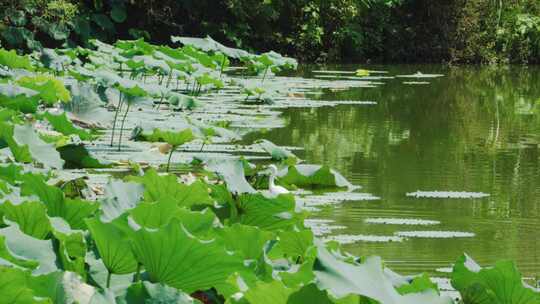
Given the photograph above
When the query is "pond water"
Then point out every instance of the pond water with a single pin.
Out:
(476, 129)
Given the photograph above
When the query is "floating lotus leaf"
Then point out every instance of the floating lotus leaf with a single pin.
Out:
(277, 153)
(313, 176)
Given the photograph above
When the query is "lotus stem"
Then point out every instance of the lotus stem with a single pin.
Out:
(160, 102)
(137, 276)
(264, 76)
(202, 146)
(109, 275)
(116, 117)
(169, 79)
(122, 127)
(170, 156)
(222, 66)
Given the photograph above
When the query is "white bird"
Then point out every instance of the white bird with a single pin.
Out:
(272, 188)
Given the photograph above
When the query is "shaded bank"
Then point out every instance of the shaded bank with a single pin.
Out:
(458, 31)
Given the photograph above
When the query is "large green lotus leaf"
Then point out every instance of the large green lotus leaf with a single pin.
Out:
(76, 156)
(74, 211)
(202, 57)
(149, 293)
(8, 114)
(295, 243)
(11, 173)
(174, 53)
(13, 287)
(158, 135)
(310, 294)
(71, 246)
(155, 214)
(208, 44)
(51, 196)
(172, 256)
(50, 89)
(273, 292)
(418, 284)
(62, 124)
(67, 288)
(130, 88)
(232, 172)
(268, 213)
(28, 248)
(120, 197)
(173, 138)
(276, 152)
(24, 135)
(248, 241)
(113, 245)
(228, 51)
(14, 61)
(8, 258)
(302, 276)
(199, 43)
(313, 176)
(18, 98)
(501, 284)
(54, 60)
(367, 279)
(86, 105)
(182, 101)
(196, 222)
(207, 79)
(30, 216)
(98, 273)
(160, 213)
(20, 153)
(276, 60)
(158, 186)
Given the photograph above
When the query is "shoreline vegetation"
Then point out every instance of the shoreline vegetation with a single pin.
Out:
(360, 31)
(112, 189)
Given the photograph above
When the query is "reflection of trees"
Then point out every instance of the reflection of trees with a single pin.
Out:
(477, 129)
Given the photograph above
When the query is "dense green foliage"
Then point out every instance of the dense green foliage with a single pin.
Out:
(336, 30)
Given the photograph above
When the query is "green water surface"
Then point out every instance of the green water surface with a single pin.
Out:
(476, 129)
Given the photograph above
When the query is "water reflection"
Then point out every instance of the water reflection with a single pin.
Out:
(477, 130)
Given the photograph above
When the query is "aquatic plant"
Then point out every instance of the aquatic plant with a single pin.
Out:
(208, 236)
